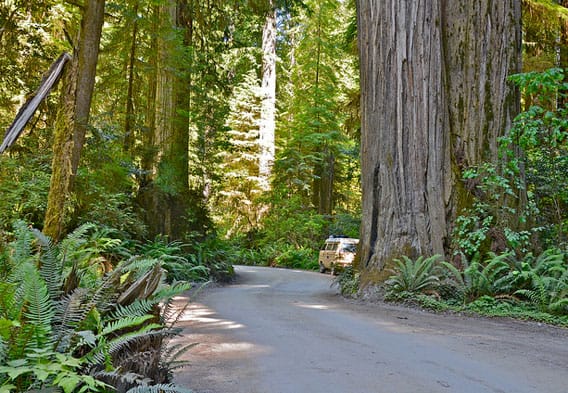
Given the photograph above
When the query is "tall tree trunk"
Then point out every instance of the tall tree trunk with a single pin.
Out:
(166, 197)
(434, 100)
(155, 195)
(268, 85)
(148, 150)
(129, 137)
(322, 185)
(73, 118)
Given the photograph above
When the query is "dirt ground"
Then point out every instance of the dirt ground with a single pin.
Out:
(277, 330)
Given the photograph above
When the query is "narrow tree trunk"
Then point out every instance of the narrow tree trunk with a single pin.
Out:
(434, 100)
(148, 151)
(129, 137)
(322, 186)
(73, 118)
(268, 110)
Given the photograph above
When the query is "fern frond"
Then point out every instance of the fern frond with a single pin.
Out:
(22, 246)
(160, 388)
(413, 276)
(51, 269)
(39, 308)
(105, 295)
(125, 323)
(7, 304)
(455, 276)
(138, 307)
(171, 314)
(128, 377)
(97, 356)
(173, 353)
(170, 291)
(70, 311)
(138, 266)
(559, 306)
(3, 351)
(76, 238)
(71, 248)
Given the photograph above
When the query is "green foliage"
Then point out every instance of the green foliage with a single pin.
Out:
(239, 197)
(523, 198)
(348, 281)
(178, 266)
(413, 276)
(502, 285)
(544, 281)
(215, 256)
(318, 161)
(543, 21)
(541, 131)
(508, 307)
(297, 258)
(495, 220)
(23, 194)
(476, 279)
(104, 189)
(64, 326)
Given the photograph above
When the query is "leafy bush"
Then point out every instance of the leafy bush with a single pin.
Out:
(502, 285)
(540, 131)
(348, 281)
(521, 202)
(476, 279)
(215, 256)
(297, 258)
(544, 281)
(25, 184)
(64, 324)
(413, 276)
(177, 266)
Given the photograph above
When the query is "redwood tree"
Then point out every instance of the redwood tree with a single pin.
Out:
(435, 98)
(267, 123)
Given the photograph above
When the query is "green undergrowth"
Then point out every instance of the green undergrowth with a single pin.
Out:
(527, 287)
(486, 306)
(76, 317)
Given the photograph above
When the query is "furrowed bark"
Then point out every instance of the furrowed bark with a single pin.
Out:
(434, 100)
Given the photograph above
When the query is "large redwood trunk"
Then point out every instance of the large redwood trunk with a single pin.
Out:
(434, 100)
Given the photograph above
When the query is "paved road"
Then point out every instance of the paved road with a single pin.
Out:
(285, 331)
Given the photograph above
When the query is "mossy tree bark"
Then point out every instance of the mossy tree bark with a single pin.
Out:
(434, 101)
(73, 118)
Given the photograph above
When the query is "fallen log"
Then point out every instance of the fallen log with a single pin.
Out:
(27, 110)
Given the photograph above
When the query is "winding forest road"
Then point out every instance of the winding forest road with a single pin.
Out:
(286, 331)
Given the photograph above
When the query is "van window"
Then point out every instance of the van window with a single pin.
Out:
(349, 247)
(331, 246)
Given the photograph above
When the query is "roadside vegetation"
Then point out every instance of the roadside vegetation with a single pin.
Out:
(510, 248)
(87, 314)
(150, 202)
(530, 287)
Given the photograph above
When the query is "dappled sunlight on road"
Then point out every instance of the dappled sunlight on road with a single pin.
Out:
(212, 335)
(251, 286)
(314, 306)
(198, 314)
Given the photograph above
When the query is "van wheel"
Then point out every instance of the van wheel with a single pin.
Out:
(322, 268)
